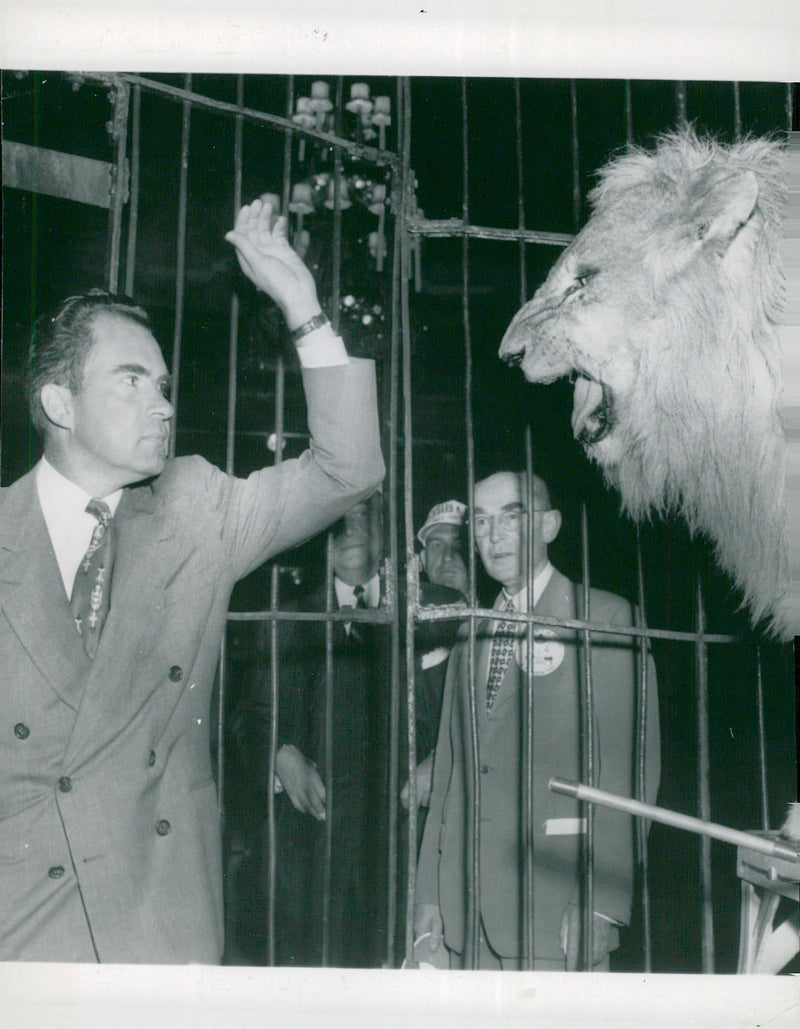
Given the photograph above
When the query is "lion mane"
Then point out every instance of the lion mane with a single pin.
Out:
(668, 301)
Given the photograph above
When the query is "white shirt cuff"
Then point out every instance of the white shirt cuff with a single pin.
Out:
(321, 348)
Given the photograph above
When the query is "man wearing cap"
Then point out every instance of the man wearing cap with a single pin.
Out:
(445, 582)
(501, 522)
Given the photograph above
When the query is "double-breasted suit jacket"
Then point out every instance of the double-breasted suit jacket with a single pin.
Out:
(557, 830)
(109, 837)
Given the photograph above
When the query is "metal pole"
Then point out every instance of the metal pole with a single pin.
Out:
(640, 758)
(400, 303)
(762, 743)
(180, 272)
(119, 128)
(587, 752)
(703, 788)
(233, 324)
(133, 210)
(529, 819)
(663, 815)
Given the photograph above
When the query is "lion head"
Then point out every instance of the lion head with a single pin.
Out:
(664, 310)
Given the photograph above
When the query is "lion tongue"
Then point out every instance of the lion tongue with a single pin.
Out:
(587, 397)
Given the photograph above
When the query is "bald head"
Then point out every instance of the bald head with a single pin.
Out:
(501, 519)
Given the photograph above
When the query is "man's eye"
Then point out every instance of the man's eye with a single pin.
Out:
(131, 380)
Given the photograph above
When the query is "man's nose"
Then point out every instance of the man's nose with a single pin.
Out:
(162, 407)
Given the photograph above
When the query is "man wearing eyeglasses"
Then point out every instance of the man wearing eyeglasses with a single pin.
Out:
(501, 522)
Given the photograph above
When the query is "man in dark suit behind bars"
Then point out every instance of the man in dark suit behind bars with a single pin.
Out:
(501, 523)
(355, 802)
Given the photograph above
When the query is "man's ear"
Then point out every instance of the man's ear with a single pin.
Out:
(57, 404)
(551, 525)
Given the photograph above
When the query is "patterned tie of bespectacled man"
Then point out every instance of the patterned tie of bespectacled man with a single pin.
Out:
(90, 592)
(503, 641)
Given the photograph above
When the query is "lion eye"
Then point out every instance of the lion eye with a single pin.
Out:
(582, 280)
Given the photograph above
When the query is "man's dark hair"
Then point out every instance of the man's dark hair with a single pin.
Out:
(62, 339)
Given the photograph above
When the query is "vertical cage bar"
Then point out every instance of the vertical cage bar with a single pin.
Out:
(576, 163)
(640, 759)
(703, 780)
(762, 743)
(119, 122)
(680, 103)
(133, 209)
(529, 815)
(233, 323)
(523, 275)
(180, 272)
(737, 112)
(628, 112)
(587, 751)
(391, 591)
(400, 303)
(330, 785)
(472, 928)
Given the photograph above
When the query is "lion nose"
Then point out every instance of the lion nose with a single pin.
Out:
(513, 358)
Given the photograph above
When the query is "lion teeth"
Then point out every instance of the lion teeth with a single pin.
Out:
(586, 398)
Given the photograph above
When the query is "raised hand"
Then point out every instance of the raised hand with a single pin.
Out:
(268, 260)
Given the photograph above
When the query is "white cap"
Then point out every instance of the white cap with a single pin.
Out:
(449, 512)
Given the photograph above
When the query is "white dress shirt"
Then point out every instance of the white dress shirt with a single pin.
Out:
(321, 348)
(345, 595)
(68, 523)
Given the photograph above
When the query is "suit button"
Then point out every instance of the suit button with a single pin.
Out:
(21, 731)
(151, 760)
(163, 827)
(484, 769)
(65, 784)
(175, 673)
(56, 871)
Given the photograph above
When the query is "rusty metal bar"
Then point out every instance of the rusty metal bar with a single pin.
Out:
(180, 273)
(391, 595)
(179, 95)
(400, 308)
(233, 324)
(640, 759)
(450, 227)
(704, 796)
(587, 752)
(576, 163)
(330, 786)
(133, 210)
(665, 816)
(119, 130)
(523, 277)
(529, 814)
(762, 743)
(737, 112)
(274, 695)
(472, 927)
(680, 103)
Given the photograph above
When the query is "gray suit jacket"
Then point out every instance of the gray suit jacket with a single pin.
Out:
(109, 836)
(442, 874)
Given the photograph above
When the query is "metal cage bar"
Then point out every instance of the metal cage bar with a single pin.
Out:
(180, 259)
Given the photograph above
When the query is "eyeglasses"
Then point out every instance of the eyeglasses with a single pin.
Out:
(509, 522)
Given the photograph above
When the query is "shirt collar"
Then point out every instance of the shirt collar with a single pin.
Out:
(62, 496)
(346, 597)
(540, 582)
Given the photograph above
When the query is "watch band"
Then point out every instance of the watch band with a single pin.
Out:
(313, 323)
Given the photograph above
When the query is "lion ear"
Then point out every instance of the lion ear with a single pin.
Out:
(725, 207)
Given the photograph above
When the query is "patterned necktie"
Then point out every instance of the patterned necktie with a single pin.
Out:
(90, 592)
(356, 632)
(503, 641)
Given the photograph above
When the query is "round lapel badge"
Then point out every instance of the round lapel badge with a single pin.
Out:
(548, 652)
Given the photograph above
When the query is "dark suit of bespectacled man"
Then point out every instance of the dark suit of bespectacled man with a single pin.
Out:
(501, 524)
(109, 835)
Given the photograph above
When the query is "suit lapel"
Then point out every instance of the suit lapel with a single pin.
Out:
(113, 690)
(32, 594)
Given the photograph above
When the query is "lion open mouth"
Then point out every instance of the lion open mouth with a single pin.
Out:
(592, 411)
